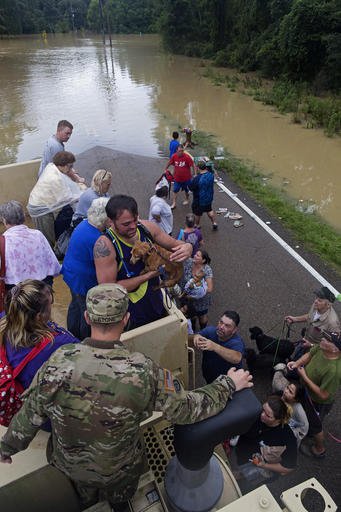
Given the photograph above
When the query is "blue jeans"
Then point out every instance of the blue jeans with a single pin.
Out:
(76, 323)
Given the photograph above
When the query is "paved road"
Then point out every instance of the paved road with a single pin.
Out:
(252, 274)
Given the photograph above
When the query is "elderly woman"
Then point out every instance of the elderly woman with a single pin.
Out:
(54, 191)
(26, 325)
(100, 185)
(78, 269)
(28, 254)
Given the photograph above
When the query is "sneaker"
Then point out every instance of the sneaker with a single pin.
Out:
(173, 206)
(214, 227)
(186, 202)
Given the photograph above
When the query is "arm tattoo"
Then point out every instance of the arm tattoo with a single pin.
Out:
(101, 249)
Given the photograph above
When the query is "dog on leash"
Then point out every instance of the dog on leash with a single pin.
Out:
(270, 350)
(156, 257)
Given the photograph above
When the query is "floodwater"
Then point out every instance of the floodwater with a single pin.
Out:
(132, 97)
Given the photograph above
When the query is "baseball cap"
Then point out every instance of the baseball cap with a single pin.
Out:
(107, 303)
(202, 165)
(325, 293)
(333, 337)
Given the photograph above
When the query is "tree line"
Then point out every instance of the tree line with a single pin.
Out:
(296, 39)
(299, 40)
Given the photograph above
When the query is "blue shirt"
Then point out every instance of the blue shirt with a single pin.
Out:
(78, 268)
(16, 355)
(202, 187)
(212, 364)
(173, 146)
(85, 202)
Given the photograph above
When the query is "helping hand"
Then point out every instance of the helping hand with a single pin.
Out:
(5, 459)
(181, 252)
(241, 378)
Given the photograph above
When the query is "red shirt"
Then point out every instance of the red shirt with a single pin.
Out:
(182, 167)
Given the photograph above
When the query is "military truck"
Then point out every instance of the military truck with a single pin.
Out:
(185, 468)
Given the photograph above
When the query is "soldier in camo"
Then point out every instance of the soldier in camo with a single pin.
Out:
(96, 393)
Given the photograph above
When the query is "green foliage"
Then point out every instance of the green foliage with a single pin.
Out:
(33, 16)
(299, 40)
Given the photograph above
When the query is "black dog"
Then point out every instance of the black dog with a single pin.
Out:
(271, 351)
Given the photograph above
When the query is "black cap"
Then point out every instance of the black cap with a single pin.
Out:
(334, 338)
(202, 165)
(325, 293)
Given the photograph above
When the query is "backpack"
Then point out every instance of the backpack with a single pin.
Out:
(10, 388)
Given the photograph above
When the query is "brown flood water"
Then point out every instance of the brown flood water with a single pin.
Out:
(133, 97)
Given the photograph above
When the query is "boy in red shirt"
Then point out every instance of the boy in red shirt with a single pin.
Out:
(183, 170)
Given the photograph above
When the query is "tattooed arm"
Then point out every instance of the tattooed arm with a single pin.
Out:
(106, 266)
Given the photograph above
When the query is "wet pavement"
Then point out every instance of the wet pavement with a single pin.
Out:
(252, 275)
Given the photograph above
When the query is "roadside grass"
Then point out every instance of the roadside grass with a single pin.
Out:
(309, 229)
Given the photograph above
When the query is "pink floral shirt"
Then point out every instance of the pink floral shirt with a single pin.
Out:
(28, 255)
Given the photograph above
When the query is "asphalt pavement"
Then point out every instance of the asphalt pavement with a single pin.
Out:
(253, 275)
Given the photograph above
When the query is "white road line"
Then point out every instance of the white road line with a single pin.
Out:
(278, 239)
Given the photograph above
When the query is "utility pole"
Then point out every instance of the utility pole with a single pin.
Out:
(100, 6)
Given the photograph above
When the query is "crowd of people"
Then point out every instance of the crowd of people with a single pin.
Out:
(110, 294)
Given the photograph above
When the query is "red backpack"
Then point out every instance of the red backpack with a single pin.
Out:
(10, 387)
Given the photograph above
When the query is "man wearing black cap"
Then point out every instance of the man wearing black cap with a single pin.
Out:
(320, 371)
(321, 317)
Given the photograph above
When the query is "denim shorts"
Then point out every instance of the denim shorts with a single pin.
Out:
(181, 185)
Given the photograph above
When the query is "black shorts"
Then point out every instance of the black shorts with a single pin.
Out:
(198, 209)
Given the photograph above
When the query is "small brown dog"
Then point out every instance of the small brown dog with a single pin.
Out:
(155, 257)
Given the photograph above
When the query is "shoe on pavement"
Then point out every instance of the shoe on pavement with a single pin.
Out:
(186, 202)
(214, 227)
(173, 206)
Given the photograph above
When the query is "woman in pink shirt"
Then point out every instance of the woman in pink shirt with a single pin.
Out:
(28, 254)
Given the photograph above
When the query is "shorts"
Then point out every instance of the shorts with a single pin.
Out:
(198, 209)
(181, 185)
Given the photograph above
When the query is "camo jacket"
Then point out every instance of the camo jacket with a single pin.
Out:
(96, 394)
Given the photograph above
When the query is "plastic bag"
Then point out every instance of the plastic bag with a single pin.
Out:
(62, 243)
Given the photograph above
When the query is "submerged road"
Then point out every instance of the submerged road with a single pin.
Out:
(252, 275)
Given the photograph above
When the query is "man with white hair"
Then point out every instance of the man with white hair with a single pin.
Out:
(78, 268)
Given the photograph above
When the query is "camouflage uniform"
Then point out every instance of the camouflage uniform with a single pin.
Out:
(96, 393)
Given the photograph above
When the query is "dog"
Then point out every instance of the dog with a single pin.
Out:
(156, 258)
(271, 350)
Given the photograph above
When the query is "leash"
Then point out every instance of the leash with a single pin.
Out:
(278, 342)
